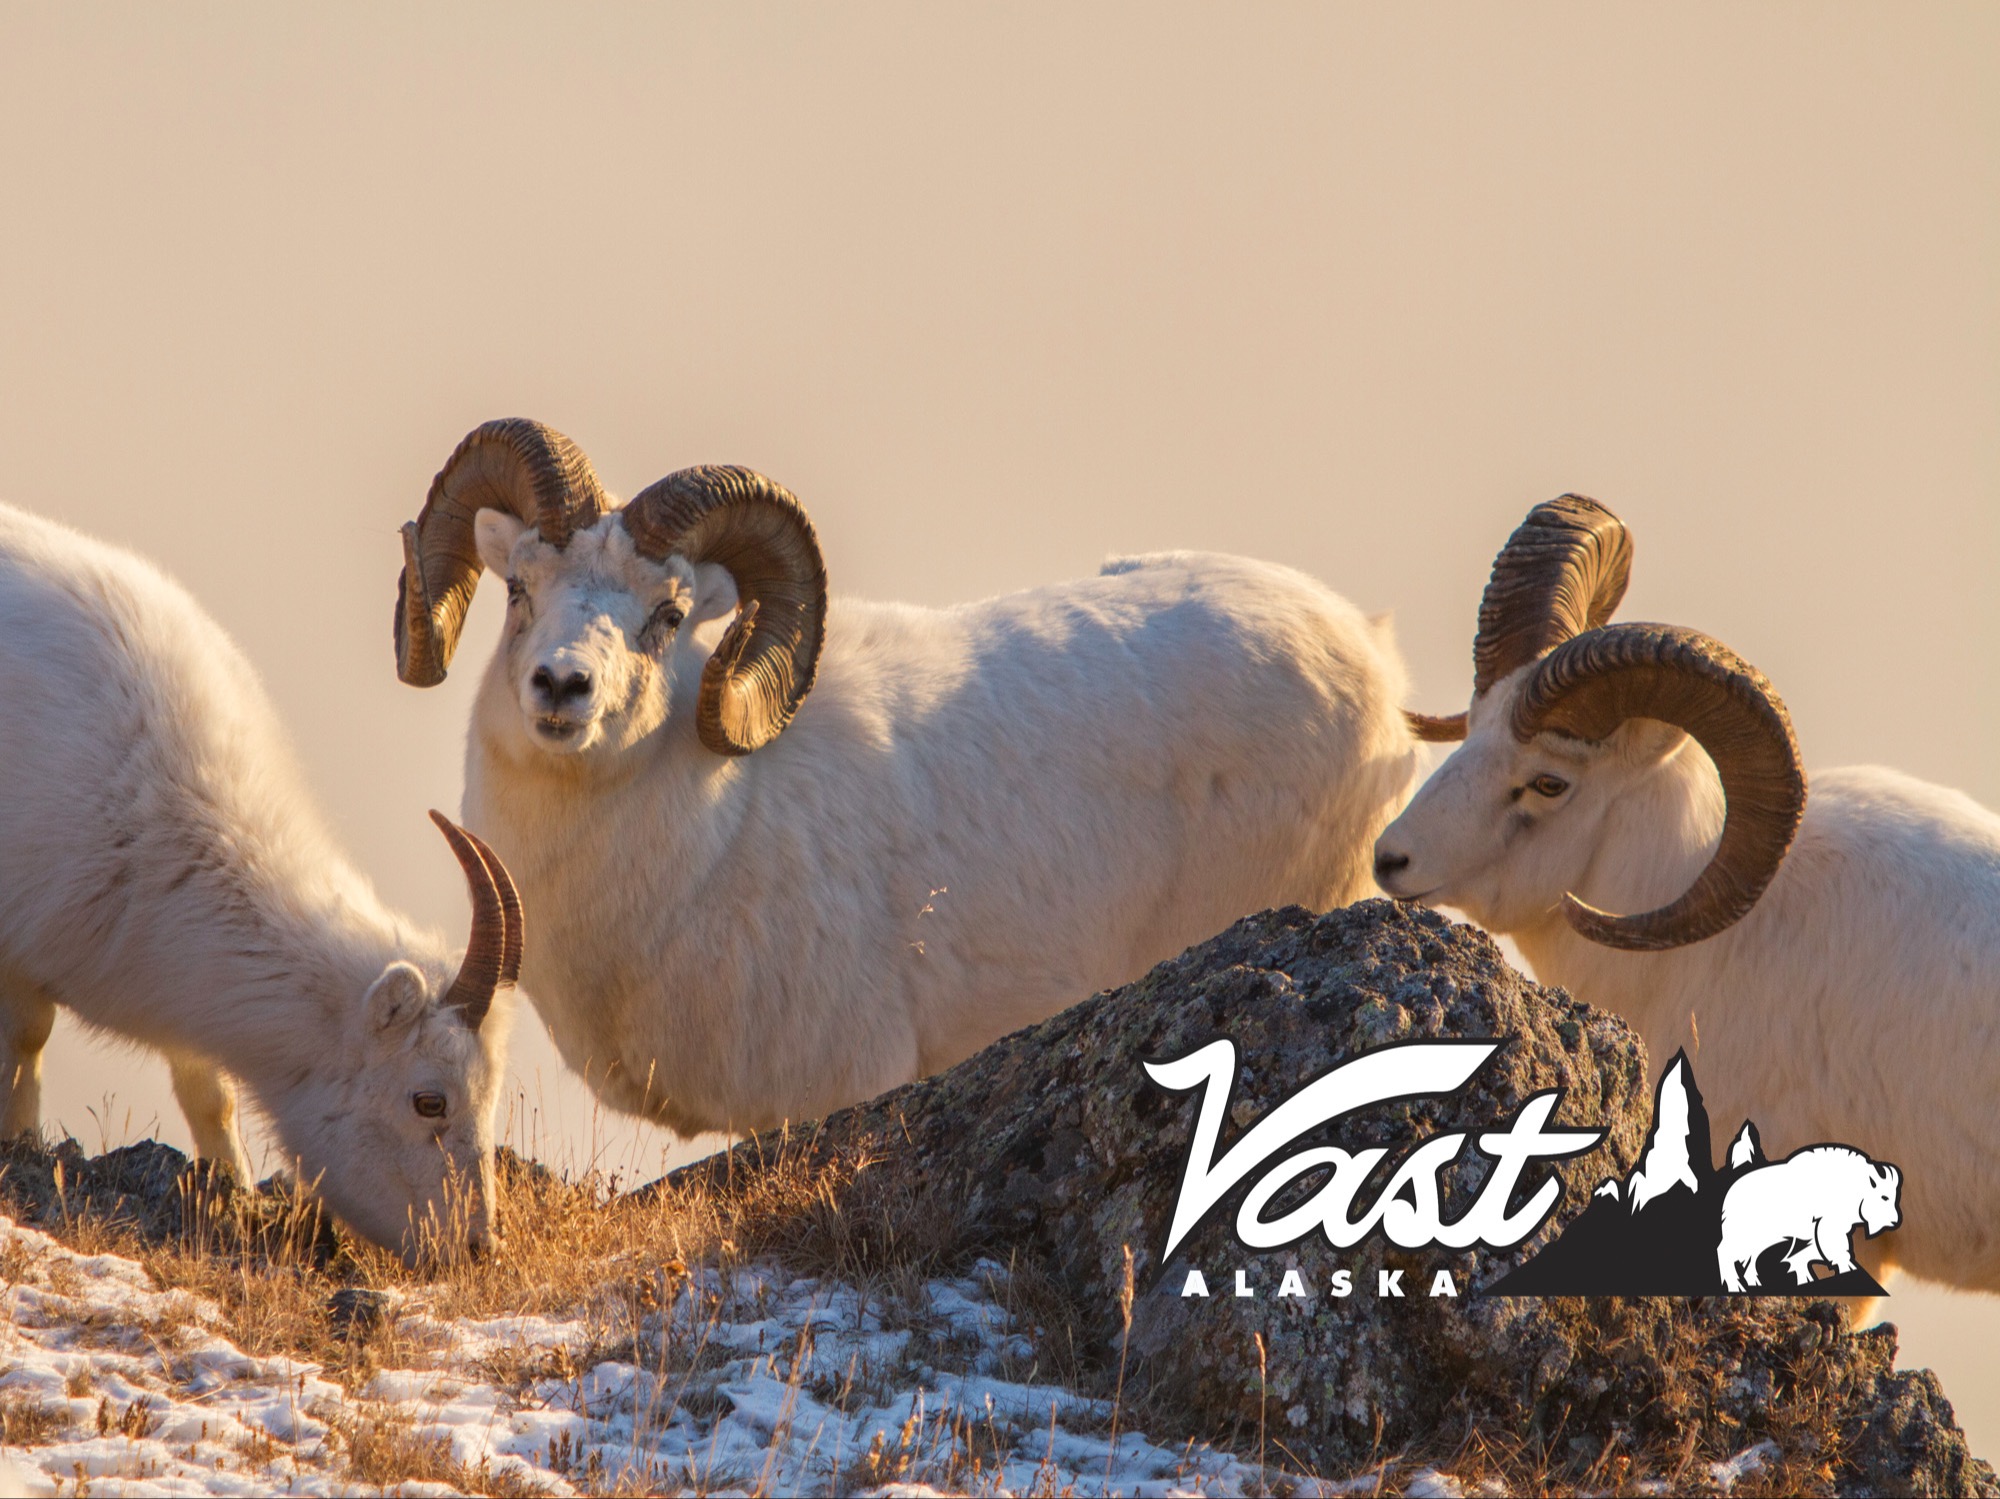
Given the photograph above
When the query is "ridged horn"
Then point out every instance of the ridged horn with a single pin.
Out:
(758, 531)
(528, 470)
(1446, 729)
(1591, 684)
(493, 952)
(1562, 572)
(510, 909)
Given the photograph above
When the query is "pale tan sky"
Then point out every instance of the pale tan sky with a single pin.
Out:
(1000, 290)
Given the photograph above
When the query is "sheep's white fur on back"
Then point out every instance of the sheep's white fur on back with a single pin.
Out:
(981, 814)
(164, 877)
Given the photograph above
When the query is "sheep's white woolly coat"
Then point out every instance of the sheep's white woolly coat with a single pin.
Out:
(980, 815)
(159, 861)
(164, 877)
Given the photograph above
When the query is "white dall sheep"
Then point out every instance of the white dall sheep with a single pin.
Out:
(163, 878)
(1842, 992)
(980, 815)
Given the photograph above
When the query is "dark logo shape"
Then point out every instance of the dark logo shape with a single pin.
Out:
(1678, 1226)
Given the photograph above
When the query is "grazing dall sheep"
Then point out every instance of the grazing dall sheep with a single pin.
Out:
(1844, 990)
(163, 878)
(982, 813)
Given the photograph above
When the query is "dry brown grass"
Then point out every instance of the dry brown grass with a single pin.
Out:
(26, 1420)
(569, 1248)
(383, 1451)
(575, 1248)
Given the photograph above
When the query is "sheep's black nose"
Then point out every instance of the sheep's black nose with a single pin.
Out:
(1387, 864)
(576, 685)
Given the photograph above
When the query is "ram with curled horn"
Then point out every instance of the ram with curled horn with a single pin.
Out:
(1628, 805)
(194, 903)
(783, 852)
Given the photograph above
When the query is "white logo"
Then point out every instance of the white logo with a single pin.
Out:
(1807, 1205)
(1407, 1209)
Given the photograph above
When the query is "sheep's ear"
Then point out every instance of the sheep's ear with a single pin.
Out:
(714, 593)
(395, 999)
(494, 532)
(1647, 741)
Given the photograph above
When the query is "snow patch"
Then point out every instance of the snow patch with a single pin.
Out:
(751, 1379)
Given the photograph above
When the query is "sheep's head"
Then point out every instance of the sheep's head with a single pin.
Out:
(1570, 714)
(396, 1136)
(603, 602)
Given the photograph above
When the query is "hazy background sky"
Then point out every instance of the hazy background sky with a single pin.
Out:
(1000, 290)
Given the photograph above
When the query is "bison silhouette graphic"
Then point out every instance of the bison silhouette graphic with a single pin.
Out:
(1807, 1206)
(1680, 1226)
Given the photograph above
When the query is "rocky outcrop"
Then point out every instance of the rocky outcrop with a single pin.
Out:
(149, 1188)
(1054, 1145)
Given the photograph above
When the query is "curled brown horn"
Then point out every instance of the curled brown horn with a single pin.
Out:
(1562, 572)
(493, 953)
(1590, 685)
(510, 910)
(528, 470)
(1433, 729)
(759, 533)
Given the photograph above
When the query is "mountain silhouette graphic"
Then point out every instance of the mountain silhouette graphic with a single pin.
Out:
(1655, 1233)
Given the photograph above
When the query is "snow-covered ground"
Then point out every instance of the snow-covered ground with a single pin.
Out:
(749, 1381)
(137, 1391)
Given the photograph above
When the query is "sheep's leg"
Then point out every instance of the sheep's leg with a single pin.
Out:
(208, 1098)
(27, 1015)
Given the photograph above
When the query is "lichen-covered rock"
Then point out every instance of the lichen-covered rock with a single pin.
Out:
(1054, 1144)
(1901, 1436)
(149, 1187)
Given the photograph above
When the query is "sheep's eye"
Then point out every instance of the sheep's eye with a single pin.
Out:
(667, 616)
(428, 1105)
(517, 591)
(1548, 785)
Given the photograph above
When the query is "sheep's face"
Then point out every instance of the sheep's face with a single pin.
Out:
(400, 1144)
(594, 635)
(1879, 1210)
(1502, 830)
